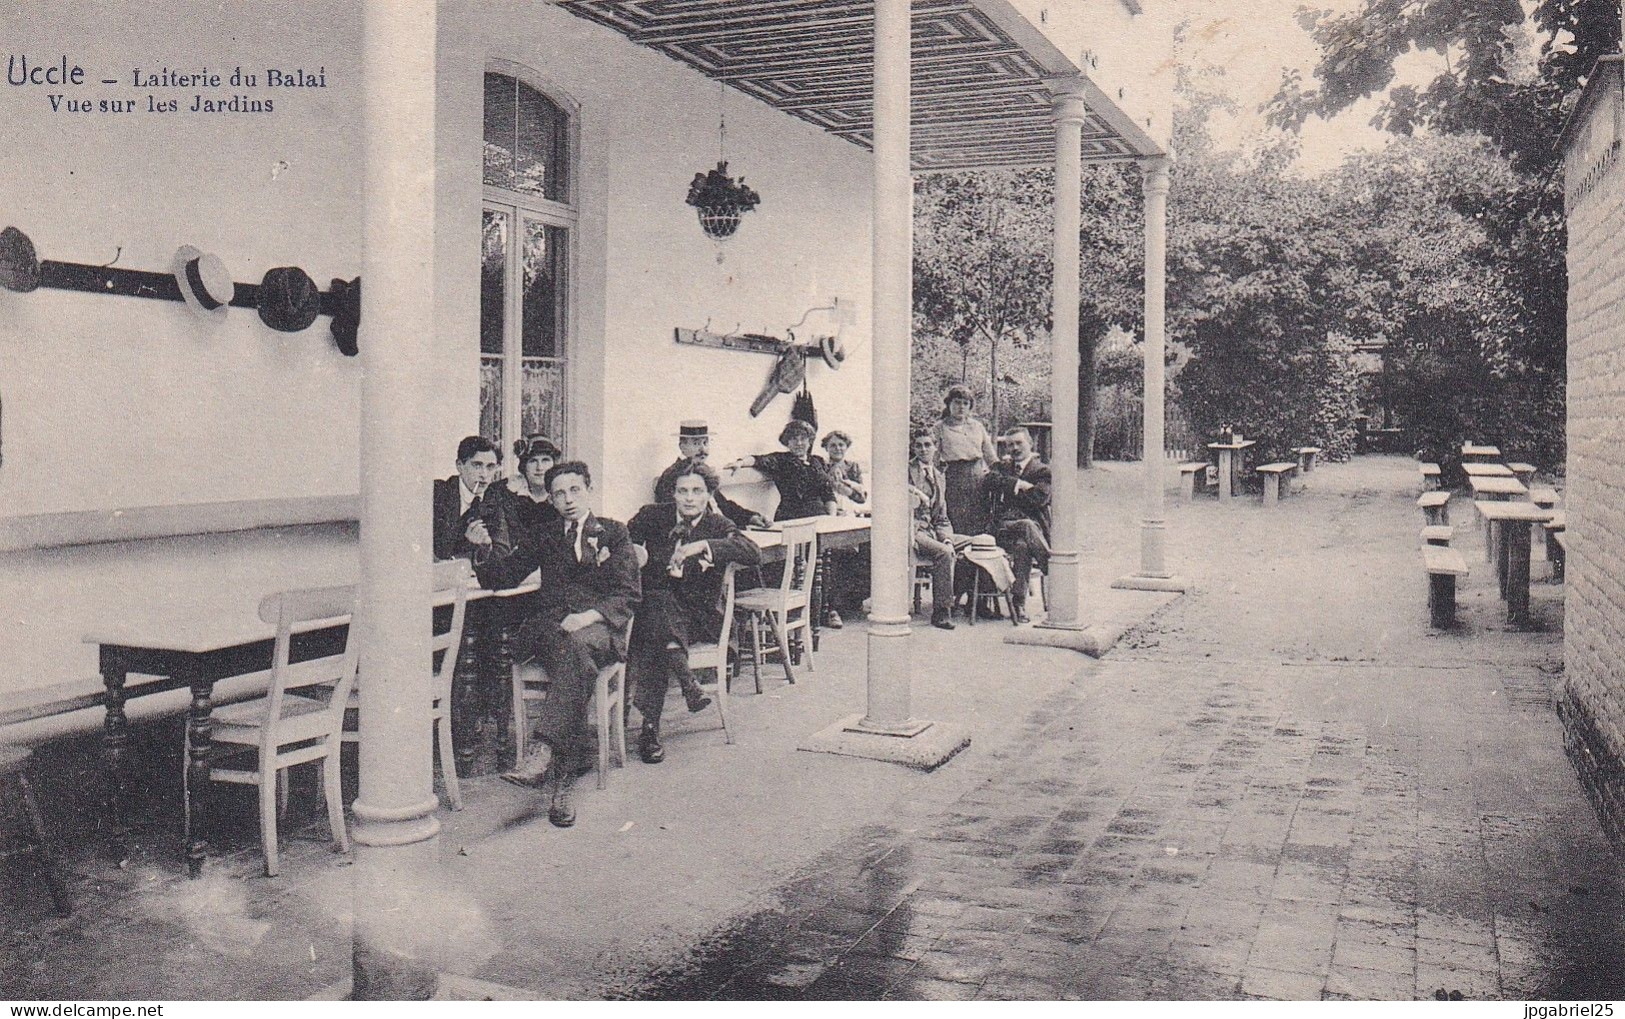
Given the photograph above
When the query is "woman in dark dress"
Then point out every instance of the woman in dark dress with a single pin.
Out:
(805, 489)
(527, 504)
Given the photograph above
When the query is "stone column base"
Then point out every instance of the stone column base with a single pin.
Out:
(1141, 582)
(923, 745)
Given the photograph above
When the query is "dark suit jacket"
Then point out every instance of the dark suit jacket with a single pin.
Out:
(451, 523)
(685, 608)
(666, 484)
(606, 578)
(1006, 503)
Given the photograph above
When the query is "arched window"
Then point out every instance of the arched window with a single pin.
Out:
(527, 221)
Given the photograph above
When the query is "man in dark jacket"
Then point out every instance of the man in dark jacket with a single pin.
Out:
(589, 590)
(690, 548)
(1018, 498)
(694, 444)
(460, 500)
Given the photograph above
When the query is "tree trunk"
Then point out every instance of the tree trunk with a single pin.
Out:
(993, 385)
(1088, 337)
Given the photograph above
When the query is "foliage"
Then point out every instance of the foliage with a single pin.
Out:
(714, 189)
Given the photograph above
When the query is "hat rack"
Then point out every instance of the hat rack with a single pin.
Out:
(158, 286)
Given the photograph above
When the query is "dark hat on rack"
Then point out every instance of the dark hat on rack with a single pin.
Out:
(346, 298)
(204, 280)
(832, 350)
(19, 265)
(289, 300)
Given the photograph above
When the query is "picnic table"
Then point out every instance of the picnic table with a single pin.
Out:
(1509, 550)
(1496, 488)
(1486, 470)
(195, 652)
(1484, 454)
(1230, 465)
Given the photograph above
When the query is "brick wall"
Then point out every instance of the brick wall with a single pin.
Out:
(1592, 702)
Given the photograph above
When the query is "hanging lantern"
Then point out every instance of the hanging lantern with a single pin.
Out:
(720, 201)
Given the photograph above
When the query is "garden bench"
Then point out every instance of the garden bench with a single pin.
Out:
(1556, 546)
(1435, 506)
(1430, 477)
(1306, 457)
(1545, 498)
(1277, 481)
(1437, 534)
(1523, 472)
(1192, 478)
(1443, 566)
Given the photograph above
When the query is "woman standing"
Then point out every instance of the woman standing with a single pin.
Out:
(967, 453)
(805, 489)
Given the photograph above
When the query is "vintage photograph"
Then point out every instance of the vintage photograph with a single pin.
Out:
(839, 500)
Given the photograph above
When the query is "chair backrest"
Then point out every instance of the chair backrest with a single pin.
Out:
(299, 612)
(450, 575)
(728, 583)
(800, 558)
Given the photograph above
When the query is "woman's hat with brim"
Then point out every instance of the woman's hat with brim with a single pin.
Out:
(204, 280)
(19, 265)
(289, 300)
(346, 296)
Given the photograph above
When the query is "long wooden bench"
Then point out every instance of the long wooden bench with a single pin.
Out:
(1523, 472)
(1443, 566)
(1556, 544)
(1192, 479)
(1435, 507)
(1430, 477)
(1306, 457)
(1277, 481)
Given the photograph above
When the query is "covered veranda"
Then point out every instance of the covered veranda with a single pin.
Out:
(956, 85)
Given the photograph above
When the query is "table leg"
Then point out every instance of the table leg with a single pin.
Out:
(820, 571)
(1516, 540)
(1499, 548)
(501, 661)
(465, 688)
(115, 744)
(200, 740)
(1227, 464)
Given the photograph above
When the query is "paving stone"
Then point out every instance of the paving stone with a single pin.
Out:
(1352, 953)
(1358, 984)
(1282, 985)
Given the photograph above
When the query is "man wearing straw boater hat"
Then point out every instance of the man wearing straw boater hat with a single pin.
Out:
(694, 445)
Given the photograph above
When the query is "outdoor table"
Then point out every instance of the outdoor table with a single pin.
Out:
(834, 532)
(1484, 454)
(1510, 522)
(1494, 489)
(1230, 465)
(1484, 470)
(196, 653)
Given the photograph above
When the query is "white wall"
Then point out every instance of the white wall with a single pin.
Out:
(116, 402)
(647, 124)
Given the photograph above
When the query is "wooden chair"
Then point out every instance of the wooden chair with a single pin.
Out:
(450, 575)
(793, 595)
(300, 720)
(922, 581)
(714, 657)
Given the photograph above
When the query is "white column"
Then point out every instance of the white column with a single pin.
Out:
(888, 730)
(1153, 574)
(893, 304)
(396, 868)
(1154, 525)
(1061, 600)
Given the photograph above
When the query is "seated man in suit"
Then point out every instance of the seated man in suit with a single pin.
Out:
(694, 445)
(690, 546)
(1018, 501)
(459, 501)
(589, 589)
(933, 534)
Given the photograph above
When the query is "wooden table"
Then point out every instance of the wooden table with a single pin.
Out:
(834, 532)
(196, 653)
(1496, 488)
(1230, 465)
(1483, 454)
(1510, 522)
(1484, 470)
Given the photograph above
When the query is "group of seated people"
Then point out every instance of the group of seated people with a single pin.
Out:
(543, 519)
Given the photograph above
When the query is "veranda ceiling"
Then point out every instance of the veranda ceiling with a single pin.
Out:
(980, 98)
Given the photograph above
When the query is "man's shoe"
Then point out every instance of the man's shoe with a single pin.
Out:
(649, 748)
(532, 771)
(694, 697)
(942, 622)
(562, 812)
(834, 621)
(1021, 614)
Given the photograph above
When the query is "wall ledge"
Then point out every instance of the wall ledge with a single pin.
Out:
(90, 527)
